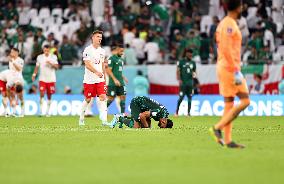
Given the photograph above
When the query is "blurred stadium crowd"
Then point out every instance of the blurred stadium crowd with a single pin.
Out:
(156, 31)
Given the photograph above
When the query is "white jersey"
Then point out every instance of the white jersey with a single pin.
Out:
(47, 72)
(20, 63)
(96, 57)
(4, 75)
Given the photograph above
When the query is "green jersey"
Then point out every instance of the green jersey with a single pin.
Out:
(141, 104)
(116, 64)
(186, 68)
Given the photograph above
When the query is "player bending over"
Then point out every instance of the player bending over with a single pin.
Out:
(142, 110)
(231, 80)
(15, 80)
(116, 86)
(46, 64)
(94, 78)
(3, 89)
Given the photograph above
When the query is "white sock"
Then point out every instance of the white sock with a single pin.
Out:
(89, 107)
(102, 106)
(83, 109)
(40, 105)
(14, 105)
(5, 104)
(48, 106)
(22, 108)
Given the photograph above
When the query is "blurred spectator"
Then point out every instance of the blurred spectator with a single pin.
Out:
(67, 51)
(40, 37)
(36, 48)
(214, 27)
(152, 51)
(23, 11)
(67, 90)
(269, 39)
(258, 86)
(176, 17)
(81, 35)
(192, 41)
(10, 12)
(130, 55)
(138, 45)
(33, 89)
(144, 18)
(50, 40)
(204, 48)
(141, 84)
(128, 36)
(244, 29)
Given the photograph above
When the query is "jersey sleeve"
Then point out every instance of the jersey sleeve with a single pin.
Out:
(110, 62)
(55, 59)
(86, 55)
(37, 61)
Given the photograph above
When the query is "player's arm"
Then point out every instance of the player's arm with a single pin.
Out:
(125, 79)
(35, 70)
(53, 65)
(178, 73)
(110, 73)
(143, 118)
(92, 69)
(18, 67)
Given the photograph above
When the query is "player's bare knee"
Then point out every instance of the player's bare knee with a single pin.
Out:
(88, 100)
(102, 97)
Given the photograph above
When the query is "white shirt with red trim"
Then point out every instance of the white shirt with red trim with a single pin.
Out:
(96, 56)
(47, 72)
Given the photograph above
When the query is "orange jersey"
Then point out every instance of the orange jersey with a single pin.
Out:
(229, 43)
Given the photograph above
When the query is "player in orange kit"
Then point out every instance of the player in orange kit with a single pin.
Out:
(231, 80)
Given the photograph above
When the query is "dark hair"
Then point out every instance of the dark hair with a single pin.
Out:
(46, 46)
(97, 32)
(170, 123)
(19, 88)
(139, 72)
(15, 49)
(258, 76)
(233, 4)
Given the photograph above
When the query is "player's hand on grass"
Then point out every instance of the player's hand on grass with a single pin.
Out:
(238, 78)
(117, 83)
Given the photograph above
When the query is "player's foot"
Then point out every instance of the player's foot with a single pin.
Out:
(81, 122)
(7, 115)
(217, 135)
(13, 115)
(234, 145)
(105, 123)
(114, 121)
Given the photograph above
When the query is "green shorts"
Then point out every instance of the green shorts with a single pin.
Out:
(185, 90)
(116, 91)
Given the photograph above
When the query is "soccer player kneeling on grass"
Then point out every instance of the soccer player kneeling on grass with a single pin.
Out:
(142, 110)
(231, 80)
(94, 78)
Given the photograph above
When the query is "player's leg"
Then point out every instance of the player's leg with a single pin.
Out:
(122, 96)
(102, 102)
(189, 99)
(180, 99)
(89, 90)
(50, 90)
(111, 93)
(5, 102)
(42, 89)
(128, 121)
(12, 98)
(21, 98)
(229, 104)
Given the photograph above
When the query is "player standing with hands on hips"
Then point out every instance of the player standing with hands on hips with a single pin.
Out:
(231, 81)
(46, 64)
(94, 77)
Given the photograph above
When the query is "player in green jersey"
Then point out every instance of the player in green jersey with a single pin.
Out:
(186, 71)
(143, 109)
(116, 85)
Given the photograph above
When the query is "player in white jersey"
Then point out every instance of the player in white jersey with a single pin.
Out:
(94, 78)
(47, 64)
(15, 81)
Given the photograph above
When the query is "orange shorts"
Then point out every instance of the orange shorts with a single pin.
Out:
(227, 86)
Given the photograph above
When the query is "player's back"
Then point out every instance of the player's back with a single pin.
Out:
(229, 39)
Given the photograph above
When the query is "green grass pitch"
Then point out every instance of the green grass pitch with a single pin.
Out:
(55, 150)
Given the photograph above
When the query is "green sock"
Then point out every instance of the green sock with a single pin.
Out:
(122, 106)
(109, 102)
